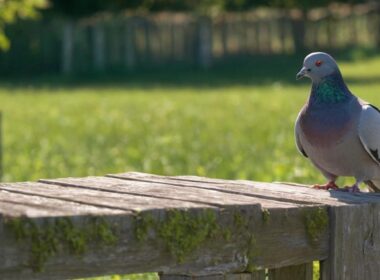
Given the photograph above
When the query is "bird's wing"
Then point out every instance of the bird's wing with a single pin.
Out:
(369, 131)
(297, 136)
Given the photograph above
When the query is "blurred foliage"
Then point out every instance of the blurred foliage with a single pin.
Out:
(81, 8)
(305, 4)
(10, 10)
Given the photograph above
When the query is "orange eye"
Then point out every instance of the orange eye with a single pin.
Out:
(318, 63)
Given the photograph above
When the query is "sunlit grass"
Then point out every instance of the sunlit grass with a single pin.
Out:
(234, 132)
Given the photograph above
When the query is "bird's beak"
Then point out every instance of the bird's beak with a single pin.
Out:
(301, 73)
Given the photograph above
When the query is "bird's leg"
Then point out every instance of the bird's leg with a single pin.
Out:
(329, 186)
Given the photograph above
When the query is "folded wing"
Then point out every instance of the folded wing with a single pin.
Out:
(369, 131)
(298, 141)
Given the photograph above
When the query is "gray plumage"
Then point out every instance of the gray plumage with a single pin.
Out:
(337, 131)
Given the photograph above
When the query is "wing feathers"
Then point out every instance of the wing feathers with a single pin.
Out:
(298, 141)
(369, 131)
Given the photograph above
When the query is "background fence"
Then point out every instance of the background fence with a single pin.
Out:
(129, 41)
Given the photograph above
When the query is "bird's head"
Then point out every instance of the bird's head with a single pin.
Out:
(317, 65)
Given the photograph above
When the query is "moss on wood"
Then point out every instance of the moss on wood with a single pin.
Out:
(240, 222)
(316, 222)
(243, 226)
(59, 235)
(252, 253)
(182, 232)
(266, 216)
(142, 224)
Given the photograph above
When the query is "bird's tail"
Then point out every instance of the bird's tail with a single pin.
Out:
(373, 185)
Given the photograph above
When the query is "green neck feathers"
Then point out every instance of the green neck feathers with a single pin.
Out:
(330, 90)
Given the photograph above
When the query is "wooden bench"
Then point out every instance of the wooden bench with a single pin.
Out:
(185, 227)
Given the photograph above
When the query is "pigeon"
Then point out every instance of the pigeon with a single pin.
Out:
(337, 131)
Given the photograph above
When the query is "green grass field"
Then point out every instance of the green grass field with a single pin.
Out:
(236, 123)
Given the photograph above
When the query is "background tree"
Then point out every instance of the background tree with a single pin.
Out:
(80, 8)
(10, 10)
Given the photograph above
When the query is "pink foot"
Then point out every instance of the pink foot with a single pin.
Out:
(329, 186)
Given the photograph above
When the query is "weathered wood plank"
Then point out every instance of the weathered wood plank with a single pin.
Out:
(174, 192)
(242, 235)
(16, 204)
(355, 243)
(98, 198)
(299, 272)
(269, 192)
(279, 192)
(251, 225)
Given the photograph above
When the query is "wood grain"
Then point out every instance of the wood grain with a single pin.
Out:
(97, 198)
(17, 204)
(186, 193)
(355, 243)
(275, 191)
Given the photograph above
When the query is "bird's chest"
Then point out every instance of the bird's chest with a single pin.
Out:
(325, 127)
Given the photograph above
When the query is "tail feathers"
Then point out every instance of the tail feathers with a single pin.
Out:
(373, 185)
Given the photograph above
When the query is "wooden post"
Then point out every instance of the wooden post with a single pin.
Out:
(299, 272)
(204, 42)
(354, 243)
(257, 44)
(331, 31)
(282, 26)
(298, 20)
(130, 53)
(224, 31)
(258, 275)
(243, 35)
(67, 47)
(147, 41)
(114, 42)
(99, 46)
(262, 34)
(172, 38)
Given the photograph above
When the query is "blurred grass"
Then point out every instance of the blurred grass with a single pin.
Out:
(214, 132)
(235, 122)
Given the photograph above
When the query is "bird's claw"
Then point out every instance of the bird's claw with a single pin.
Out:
(328, 186)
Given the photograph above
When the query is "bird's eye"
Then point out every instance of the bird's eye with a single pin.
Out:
(318, 63)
